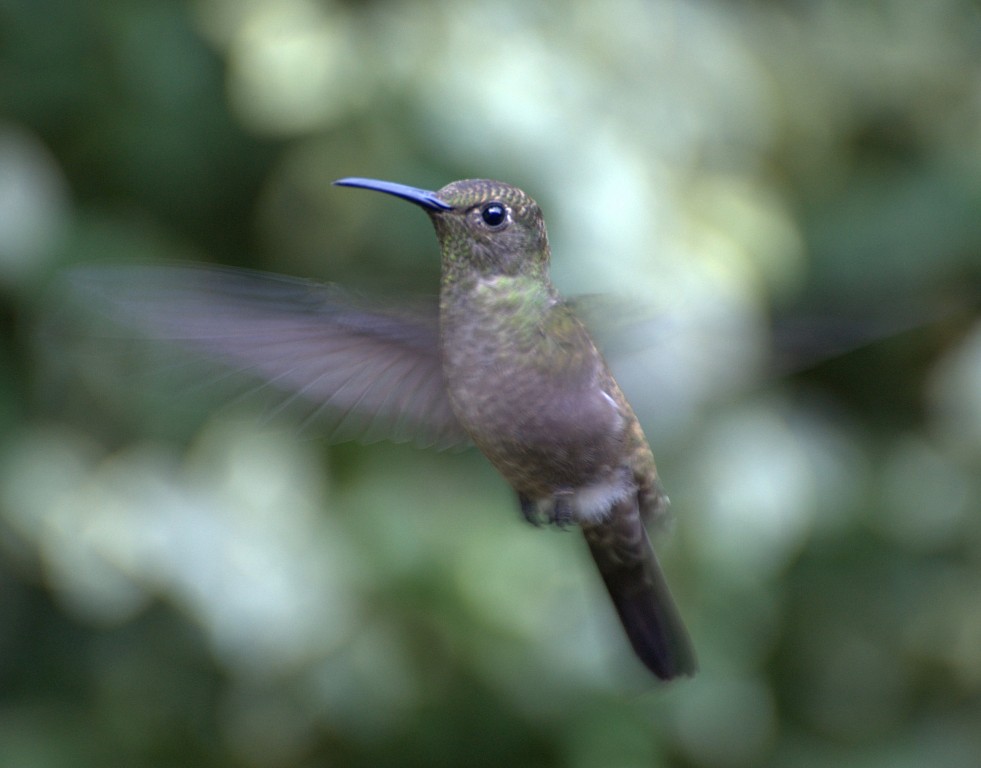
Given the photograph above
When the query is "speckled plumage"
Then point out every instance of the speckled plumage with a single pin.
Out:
(529, 386)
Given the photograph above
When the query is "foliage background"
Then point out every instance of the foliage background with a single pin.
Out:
(187, 586)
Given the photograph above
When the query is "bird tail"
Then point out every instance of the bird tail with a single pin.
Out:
(626, 561)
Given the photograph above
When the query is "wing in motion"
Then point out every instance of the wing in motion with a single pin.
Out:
(373, 373)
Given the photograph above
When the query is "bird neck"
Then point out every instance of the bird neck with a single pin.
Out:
(516, 300)
(516, 323)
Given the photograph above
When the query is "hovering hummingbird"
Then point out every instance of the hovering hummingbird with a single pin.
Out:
(505, 363)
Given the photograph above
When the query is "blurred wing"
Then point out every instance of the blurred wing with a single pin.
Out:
(803, 341)
(613, 322)
(372, 372)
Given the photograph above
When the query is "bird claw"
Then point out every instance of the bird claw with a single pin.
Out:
(561, 514)
(529, 510)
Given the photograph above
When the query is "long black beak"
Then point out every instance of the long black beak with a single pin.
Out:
(421, 197)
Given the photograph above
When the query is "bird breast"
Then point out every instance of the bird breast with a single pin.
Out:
(536, 406)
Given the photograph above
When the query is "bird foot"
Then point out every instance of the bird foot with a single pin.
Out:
(529, 510)
(559, 512)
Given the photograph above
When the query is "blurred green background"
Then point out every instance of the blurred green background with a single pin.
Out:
(182, 585)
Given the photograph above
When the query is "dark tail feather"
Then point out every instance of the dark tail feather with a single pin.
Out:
(626, 561)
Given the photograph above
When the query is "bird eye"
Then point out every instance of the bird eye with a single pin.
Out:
(494, 214)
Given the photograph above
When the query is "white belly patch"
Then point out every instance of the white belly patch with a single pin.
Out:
(591, 503)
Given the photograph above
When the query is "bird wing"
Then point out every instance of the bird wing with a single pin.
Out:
(370, 371)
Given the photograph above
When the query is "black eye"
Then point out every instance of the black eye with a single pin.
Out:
(494, 214)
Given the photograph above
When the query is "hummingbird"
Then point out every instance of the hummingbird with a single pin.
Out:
(503, 362)
(529, 386)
